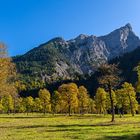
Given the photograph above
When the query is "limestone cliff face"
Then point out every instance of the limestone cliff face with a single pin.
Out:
(90, 51)
(121, 41)
(62, 59)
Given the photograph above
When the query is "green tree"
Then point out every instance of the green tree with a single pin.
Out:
(109, 78)
(100, 100)
(45, 98)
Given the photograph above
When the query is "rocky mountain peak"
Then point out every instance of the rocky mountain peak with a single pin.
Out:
(81, 37)
(128, 26)
(120, 41)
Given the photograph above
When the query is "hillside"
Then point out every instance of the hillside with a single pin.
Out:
(127, 64)
(59, 60)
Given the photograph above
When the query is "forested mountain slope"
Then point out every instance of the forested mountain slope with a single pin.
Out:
(59, 60)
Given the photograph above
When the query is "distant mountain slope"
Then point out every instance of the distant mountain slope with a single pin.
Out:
(59, 59)
(127, 63)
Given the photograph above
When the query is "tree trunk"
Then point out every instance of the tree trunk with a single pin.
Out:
(123, 110)
(82, 109)
(14, 111)
(112, 104)
(69, 110)
(120, 112)
(44, 110)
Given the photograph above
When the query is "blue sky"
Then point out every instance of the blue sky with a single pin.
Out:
(24, 24)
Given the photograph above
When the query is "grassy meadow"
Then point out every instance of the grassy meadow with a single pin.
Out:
(62, 127)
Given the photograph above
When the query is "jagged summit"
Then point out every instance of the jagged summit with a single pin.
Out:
(128, 25)
(81, 36)
(120, 41)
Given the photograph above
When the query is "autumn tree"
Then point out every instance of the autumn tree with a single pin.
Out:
(1, 106)
(20, 106)
(129, 90)
(122, 101)
(91, 106)
(57, 103)
(83, 99)
(109, 78)
(29, 101)
(100, 100)
(20, 86)
(69, 94)
(37, 105)
(4, 66)
(8, 104)
(7, 74)
(45, 98)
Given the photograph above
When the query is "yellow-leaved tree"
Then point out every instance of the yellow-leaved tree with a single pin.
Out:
(7, 74)
(69, 97)
(129, 90)
(45, 98)
(83, 100)
(100, 100)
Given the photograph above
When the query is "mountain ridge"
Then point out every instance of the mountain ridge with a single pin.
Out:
(59, 59)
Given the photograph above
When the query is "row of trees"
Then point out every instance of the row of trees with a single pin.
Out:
(124, 100)
(69, 98)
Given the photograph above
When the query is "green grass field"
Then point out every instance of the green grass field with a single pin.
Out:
(61, 127)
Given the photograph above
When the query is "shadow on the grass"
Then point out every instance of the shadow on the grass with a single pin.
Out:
(74, 126)
(59, 126)
(30, 117)
(94, 125)
(64, 126)
(126, 137)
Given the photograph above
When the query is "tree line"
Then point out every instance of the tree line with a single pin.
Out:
(67, 99)
(71, 99)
